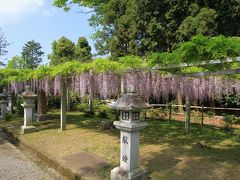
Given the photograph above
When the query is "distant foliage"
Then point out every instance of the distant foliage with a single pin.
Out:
(32, 54)
(141, 27)
(16, 63)
(3, 45)
(200, 48)
(62, 51)
(83, 50)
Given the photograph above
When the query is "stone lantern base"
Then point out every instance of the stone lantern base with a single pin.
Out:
(137, 174)
(28, 129)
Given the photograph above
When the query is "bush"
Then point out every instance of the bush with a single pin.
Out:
(102, 114)
(19, 108)
(82, 107)
(154, 113)
(88, 114)
(8, 116)
(54, 102)
(74, 101)
(229, 120)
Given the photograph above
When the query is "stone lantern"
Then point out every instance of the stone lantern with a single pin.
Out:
(129, 125)
(28, 105)
(4, 103)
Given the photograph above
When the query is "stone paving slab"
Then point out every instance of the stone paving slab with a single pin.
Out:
(84, 162)
(15, 166)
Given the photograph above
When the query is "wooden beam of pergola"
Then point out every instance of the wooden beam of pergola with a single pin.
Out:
(207, 73)
(202, 63)
(194, 74)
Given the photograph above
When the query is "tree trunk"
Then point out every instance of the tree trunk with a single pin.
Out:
(63, 104)
(188, 114)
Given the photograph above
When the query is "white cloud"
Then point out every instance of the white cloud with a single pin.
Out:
(14, 9)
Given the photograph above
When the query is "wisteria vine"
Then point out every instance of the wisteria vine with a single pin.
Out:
(149, 84)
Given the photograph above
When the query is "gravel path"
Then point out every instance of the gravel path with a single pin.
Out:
(14, 165)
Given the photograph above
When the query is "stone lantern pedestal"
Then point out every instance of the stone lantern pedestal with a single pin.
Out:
(10, 103)
(28, 105)
(129, 125)
(3, 103)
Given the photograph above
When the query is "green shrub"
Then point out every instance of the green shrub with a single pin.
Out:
(54, 102)
(88, 114)
(74, 101)
(8, 116)
(229, 120)
(82, 107)
(19, 108)
(102, 114)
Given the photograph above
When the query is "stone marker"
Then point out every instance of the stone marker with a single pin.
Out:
(42, 106)
(129, 125)
(4, 103)
(28, 105)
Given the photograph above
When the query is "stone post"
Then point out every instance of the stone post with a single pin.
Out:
(28, 105)
(42, 106)
(129, 126)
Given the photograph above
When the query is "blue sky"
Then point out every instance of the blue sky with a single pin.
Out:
(25, 20)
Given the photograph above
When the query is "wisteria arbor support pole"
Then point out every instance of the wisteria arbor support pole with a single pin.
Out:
(63, 104)
(202, 118)
(122, 87)
(188, 114)
(68, 100)
(90, 104)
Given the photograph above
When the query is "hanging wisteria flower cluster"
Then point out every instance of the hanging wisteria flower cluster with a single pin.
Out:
(152, 84)
(149, 84)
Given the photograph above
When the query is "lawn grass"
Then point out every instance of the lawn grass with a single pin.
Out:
(166, 151)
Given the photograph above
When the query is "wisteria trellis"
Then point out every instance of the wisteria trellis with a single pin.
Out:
(147, 83)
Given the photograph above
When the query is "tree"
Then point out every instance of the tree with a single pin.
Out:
(32, 54)
(3, 45)
(63, 50)
(140, 27)
(201, 21)
(83, 50)
(16, 63)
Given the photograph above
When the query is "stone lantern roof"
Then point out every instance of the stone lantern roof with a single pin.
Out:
(130, 101)
(28, 93)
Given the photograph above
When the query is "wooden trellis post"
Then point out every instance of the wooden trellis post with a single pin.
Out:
(123, 88)
(63, 104)
(188, 114)
(90, 104)
(202, 117)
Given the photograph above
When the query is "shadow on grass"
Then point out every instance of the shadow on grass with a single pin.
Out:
(206, 163)
(157, 131)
